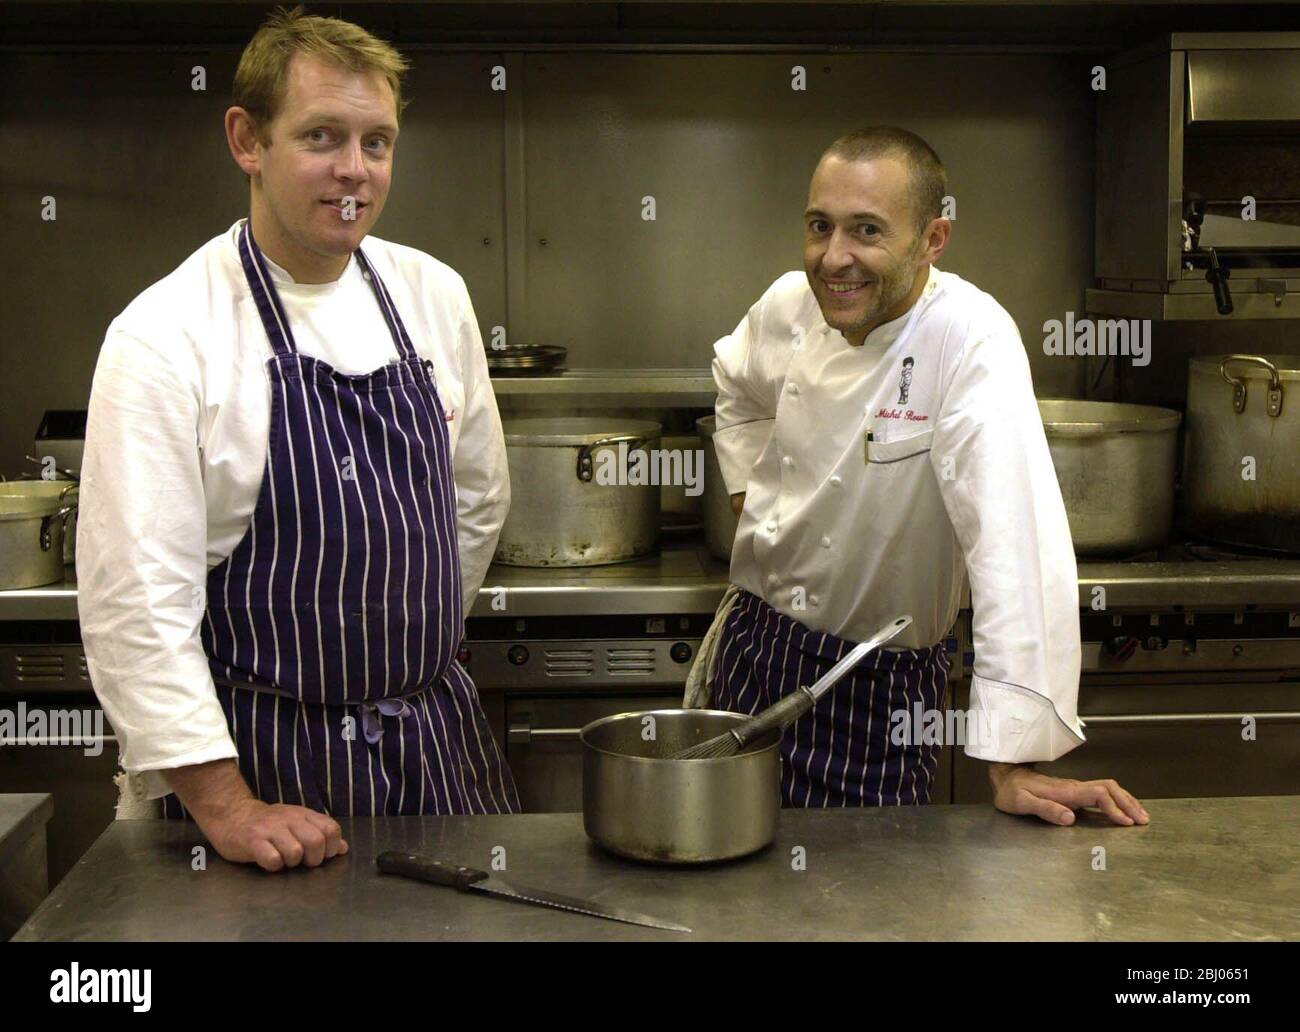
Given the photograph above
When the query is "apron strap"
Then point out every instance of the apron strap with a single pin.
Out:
(276, 321)
(395, 325)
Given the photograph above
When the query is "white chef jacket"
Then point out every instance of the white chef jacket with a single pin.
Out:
(176, 446)
(842, 535)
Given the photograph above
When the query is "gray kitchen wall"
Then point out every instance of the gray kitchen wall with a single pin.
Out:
(138, 166)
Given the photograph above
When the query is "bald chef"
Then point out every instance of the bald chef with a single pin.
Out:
(294, 481)
(876, 425)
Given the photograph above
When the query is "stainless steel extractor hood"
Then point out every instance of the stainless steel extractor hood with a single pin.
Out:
(1198, 181)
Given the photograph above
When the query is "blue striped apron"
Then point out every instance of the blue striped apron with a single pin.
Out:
(332, 629)
(841, 753)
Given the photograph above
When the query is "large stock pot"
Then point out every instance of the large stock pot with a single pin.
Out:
(1116, 465)
(31, 540)
(1241, 460)
(574, 499)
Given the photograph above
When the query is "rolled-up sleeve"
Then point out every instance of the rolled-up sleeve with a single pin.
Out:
(745, 414)
(481, 471)
(142, 564)
(1001, 493)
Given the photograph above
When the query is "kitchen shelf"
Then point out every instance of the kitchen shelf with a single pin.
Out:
(684, 578)
(657, 386)
(1186, 307)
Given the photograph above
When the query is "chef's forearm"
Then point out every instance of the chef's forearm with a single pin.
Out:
(209, 790)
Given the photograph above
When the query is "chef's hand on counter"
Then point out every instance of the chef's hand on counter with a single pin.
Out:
(1019, 789)
(738, 502)
(243, 829)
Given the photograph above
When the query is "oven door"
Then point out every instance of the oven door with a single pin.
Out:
(1166, 738)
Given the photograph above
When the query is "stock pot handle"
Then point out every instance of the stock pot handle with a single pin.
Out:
(584, 453)
(1274, 401)
(63, 513)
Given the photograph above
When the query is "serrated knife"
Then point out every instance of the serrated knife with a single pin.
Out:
(467, 879)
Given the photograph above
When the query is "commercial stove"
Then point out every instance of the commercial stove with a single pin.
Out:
(1190, 679)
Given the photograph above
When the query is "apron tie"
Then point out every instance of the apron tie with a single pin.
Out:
(371, 726)
(371, 710)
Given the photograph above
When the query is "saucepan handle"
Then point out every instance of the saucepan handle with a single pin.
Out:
(800, 701)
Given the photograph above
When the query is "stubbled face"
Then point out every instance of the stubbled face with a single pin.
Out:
(862, 251)
(333, 139)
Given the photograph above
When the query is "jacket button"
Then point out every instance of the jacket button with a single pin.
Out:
(836, 480)
(773, 580)
(826, 542)
(788, 462)
(793, 388)
(813, 600)
(771, 527)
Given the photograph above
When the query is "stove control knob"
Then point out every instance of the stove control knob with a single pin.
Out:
(681, 652)
(1121, 647)
(517, 654)
(1155, 643)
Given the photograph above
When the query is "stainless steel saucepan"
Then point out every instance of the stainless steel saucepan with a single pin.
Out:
(640, 800)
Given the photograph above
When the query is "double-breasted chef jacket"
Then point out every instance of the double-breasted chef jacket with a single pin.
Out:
(877, 477)
(290, 496)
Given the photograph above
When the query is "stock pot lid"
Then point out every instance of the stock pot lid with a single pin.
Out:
(1069, 417)
(1288, 366)
(574, 431)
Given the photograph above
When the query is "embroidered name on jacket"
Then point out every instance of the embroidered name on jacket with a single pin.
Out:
(897, 413)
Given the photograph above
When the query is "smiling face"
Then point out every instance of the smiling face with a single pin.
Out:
(333, 138)
(863, 256)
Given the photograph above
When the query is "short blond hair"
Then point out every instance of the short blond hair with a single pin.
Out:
(261, 79)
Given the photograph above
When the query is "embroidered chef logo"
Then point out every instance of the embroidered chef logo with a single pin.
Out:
(905, 380)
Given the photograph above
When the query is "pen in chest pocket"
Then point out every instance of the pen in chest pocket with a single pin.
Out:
(867, 438)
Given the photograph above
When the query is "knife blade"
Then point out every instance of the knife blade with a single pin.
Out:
(468, 879)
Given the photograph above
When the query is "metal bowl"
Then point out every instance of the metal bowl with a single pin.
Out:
(639, 803)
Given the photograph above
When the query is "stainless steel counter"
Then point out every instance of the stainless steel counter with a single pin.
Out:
(20, 814)
(24, 868)
(685, 578)
(1203, 869)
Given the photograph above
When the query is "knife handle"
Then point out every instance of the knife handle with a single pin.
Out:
(425, 868)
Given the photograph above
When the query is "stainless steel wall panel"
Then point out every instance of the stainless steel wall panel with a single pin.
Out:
(138, 164)
(726, 148)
